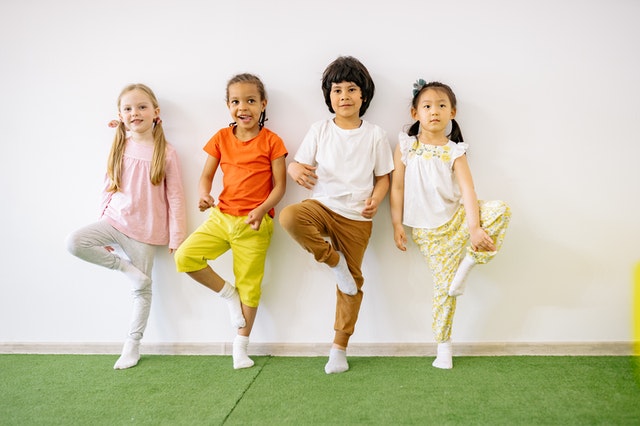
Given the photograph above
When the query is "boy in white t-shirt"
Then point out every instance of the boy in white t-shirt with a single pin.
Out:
(345, 162)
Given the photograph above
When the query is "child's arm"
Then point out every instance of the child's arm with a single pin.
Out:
(396, 200)
(380, 189)
(254, 218)
(303, 174)
(176, 202)
(480, 240)
(206, 181)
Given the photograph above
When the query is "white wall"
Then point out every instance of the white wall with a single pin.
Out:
(547, 94)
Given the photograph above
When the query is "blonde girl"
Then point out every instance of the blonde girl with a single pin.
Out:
(432, 192)
(142, 207)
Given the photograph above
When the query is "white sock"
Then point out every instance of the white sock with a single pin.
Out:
(346, 283)
(337, 361)
(444, 358)
(230, 294)
(133, 273)
(459, 282)
(130, 355)
(240, 357)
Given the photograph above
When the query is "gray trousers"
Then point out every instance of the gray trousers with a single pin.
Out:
(89, 244)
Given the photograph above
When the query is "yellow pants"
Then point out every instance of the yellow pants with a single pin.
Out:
(222, 232)
(443, 248)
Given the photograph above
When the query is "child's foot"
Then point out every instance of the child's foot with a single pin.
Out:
(444, 357)
(337, 361)
(130, 355)
(240, 357)
(230, 294)
(346, 283)
(459, 282)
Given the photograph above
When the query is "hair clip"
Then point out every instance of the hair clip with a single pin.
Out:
(418, 85)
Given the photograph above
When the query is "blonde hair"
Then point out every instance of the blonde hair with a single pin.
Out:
(114, 163)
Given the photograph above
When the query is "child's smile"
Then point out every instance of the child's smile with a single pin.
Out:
(245, 105)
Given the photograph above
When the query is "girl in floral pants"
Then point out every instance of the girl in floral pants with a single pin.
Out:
(432, 192)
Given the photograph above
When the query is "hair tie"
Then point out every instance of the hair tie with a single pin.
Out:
(113, 123)
(418, 86)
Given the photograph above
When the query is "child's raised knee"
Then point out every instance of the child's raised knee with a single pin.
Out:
(287, 217)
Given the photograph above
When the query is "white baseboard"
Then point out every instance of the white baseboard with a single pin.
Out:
(322, 349)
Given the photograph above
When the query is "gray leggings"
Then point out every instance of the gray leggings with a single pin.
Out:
(89, 244)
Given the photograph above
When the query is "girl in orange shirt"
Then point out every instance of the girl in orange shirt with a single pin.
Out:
(252, 159)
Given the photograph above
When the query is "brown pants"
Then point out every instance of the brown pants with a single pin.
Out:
(308, 223)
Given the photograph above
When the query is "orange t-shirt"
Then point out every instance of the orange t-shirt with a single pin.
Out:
(246, 166)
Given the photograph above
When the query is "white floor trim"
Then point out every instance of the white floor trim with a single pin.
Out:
(322, 349)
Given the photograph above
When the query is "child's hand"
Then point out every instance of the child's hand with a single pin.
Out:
(400, 237)
(303, 174)
(254, 219)
(481, 241)
(370, 208)
(206, 202)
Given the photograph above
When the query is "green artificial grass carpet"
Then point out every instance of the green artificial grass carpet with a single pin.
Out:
(205, 390)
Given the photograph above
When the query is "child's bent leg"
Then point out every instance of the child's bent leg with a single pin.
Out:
(89, 244)
(208, 242)
(306, 223)
(494, 218)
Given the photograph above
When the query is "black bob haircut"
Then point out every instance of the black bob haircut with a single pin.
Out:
(349, 69)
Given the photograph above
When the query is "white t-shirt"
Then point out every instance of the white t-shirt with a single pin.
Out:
(347, 161)
(431, 191)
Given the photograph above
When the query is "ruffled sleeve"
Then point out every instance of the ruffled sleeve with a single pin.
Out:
(405, 142)
(458, 150)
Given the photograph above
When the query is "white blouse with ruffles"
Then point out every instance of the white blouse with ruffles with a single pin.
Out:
(431, 192)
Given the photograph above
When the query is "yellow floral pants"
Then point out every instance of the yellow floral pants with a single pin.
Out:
(443, 248)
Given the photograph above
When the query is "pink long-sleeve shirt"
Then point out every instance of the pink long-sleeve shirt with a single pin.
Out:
(152, 214)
